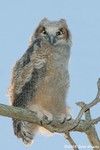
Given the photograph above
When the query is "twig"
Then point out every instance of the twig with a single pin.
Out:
(95, 121)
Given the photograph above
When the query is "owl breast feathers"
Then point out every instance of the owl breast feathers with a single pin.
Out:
(40, 78)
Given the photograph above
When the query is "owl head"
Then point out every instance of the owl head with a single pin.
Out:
(54, 32)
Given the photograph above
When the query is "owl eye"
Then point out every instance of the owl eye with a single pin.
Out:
(60, 32)
(44, 31)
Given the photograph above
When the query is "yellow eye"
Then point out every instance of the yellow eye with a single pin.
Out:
(44, 31)
(60, 32)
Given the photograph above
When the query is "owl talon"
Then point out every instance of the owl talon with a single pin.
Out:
(41, 122)
(63, 120)
(69, 118)
(45, 120)
(49, 122)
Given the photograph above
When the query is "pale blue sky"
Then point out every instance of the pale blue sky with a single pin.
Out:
(18, 19)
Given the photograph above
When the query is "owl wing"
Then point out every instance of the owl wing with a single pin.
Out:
(26, 77)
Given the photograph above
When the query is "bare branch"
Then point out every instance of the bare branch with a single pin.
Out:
(86, 126)
(95, 121)
(68, 137)
(91, 132)
(98, 85)
(84, 108)
(30, 116)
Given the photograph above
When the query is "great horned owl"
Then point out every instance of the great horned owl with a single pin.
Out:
(40, 78)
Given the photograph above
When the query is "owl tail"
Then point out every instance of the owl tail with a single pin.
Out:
(24, 130)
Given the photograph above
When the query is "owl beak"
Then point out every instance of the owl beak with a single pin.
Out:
(52, 39)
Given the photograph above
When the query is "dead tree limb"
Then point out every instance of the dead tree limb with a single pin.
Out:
(86, 125)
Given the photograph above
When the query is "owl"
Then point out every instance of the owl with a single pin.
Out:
(40, 78)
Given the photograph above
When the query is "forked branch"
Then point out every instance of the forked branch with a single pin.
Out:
(86, 126)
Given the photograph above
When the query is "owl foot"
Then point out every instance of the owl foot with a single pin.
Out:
(43, 115)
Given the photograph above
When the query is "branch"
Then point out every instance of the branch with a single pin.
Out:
(68, 137)
(91, 132)
(84, 108)
(95, 121)
(71, 125)
(55, 126)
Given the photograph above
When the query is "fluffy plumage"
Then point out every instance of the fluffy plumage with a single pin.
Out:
(40, 78)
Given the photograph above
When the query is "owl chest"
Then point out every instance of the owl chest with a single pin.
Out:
(53, 87)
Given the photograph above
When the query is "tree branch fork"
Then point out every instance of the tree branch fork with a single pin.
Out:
(31, 116)
(86, 125)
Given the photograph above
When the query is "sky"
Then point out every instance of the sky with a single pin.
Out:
(18, 19)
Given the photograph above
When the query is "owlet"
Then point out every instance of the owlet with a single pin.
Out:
(40, 78)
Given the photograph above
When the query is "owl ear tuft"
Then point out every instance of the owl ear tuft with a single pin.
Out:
(43, 20)
(63, 21)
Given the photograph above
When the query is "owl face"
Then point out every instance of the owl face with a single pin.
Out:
(53, 31)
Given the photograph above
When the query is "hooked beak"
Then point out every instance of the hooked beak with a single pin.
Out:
(52, 39)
